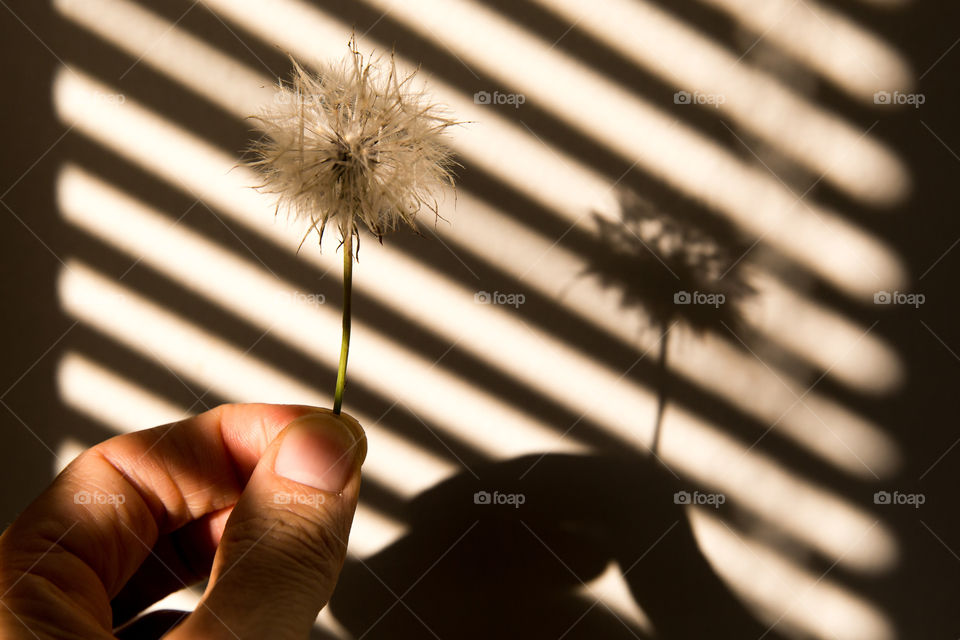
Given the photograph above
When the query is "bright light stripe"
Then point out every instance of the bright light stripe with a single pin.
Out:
(756, 100)
(776, 586)
(846, 350)
(372, 531)
(191, 161)
(611, 588)
(151, 39)
(760, 484)
(117, 403)
(642, 133)
(871, 367)
(833, 45)
(838, 251)
(188, 599)
(67, 450)
(185, 599)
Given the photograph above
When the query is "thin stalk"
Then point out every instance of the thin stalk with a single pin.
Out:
(345, 336)
(661, 392)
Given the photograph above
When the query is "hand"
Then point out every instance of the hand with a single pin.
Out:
(260, 498)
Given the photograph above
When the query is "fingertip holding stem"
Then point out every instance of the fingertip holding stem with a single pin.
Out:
(320, 451)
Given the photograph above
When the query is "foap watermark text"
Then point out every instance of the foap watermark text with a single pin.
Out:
(898, 498)
(499, 298)
(899, 298)
(498, 98)
(512, 499)
(698, 297)
(699, 498)
(710, 99)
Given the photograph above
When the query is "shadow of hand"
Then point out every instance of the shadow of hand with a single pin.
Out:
(486, 570)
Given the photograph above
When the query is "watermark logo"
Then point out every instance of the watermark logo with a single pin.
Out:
(485, 97)
(309, 499)
(697, 297)
(897, 498)
(300, 297)
(513, 499)
(897, 297)
(285, 96)
(97, 497)
(498, 297)
(698, 498)
(710, 99)
(109, 98)
(898, 97)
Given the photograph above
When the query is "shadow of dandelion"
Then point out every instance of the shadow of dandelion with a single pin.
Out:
(674, 271)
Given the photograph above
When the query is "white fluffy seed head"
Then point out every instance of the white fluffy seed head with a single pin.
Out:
(354, 143)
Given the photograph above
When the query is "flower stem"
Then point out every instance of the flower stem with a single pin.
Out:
(345, 339)
(663, 372)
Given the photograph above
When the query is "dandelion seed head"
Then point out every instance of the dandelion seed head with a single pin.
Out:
(355, 143)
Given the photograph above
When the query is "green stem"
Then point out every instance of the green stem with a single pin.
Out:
(345, 339)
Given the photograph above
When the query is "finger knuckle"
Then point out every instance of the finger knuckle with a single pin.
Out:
(303, 543)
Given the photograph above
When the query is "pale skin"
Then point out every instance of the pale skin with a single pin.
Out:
(218, 495)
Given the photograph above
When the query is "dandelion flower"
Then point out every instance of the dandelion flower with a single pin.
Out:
(354, 145)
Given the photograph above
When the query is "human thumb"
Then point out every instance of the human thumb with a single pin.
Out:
(285, 542)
